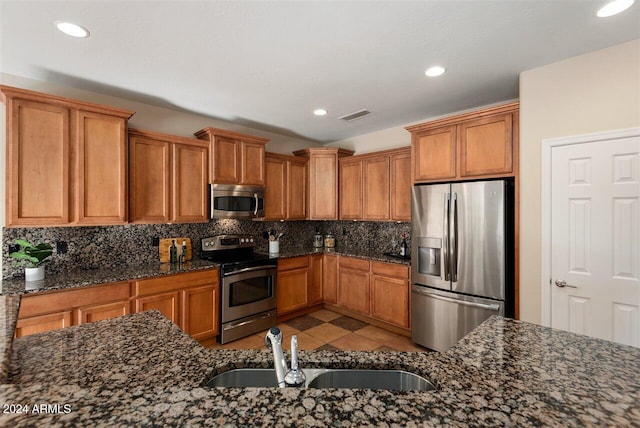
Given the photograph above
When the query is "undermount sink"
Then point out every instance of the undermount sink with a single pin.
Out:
(396, 380)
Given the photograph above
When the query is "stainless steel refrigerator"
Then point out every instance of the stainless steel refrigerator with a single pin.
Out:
(462, 259)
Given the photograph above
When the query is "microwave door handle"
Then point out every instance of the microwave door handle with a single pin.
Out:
(255, 211)
(445, 240)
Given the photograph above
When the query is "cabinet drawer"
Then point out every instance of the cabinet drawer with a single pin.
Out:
(353, 263)
(390, 269)
(176, 282)
(57, 301)
(293, 263)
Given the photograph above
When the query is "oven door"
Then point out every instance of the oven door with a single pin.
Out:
(248, 292)
(230, 201)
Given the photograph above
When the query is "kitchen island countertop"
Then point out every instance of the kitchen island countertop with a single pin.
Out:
(141, 369)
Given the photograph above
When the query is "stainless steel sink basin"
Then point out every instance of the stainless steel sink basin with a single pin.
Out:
(396, 380)
(242, 378)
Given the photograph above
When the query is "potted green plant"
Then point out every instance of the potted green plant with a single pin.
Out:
(32, 256)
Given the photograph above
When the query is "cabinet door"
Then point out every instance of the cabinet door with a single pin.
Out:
(189, 183)
(330, 278)
(225, 161)
(275, 194)
(149, 180)
(101, 175)
(376, 188)
(323, 187)
(291, 290)
(43, 323)
(37, 164)
(390, 300)
(92, 313)
(353, 290)
(435, 154)
(200, 311)
(252, 163)
(486, 146)
(297, 190)
(167, 303)
(351, 189)
(401, 187)
(314, 293)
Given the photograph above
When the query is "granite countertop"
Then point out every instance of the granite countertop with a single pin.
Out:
(85, 277)
(141, 369)
(8, 318)
(296, 251)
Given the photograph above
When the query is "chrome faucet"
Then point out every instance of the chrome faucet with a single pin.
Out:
(284, 377)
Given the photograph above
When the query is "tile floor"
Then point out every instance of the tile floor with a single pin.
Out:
(328, 330)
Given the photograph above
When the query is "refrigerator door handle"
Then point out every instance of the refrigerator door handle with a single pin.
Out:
(454, 250)
(445, 239)
(495, 307)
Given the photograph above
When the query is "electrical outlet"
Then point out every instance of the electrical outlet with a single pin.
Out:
(155, 242)
(61, 247)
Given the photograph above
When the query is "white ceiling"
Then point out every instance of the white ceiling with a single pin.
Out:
(268, 64)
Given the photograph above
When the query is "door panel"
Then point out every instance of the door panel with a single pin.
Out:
(478, 262)
(595, 236)
(428, 243)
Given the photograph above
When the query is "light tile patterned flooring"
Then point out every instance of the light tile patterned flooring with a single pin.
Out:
(328, 330)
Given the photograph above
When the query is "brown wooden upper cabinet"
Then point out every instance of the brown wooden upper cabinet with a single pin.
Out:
(376, 186)
(168, 178)
(286, 187)
(234, 158)
(483, 143)
(323, 181)
(66, 161)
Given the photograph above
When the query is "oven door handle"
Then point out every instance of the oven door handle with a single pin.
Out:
(250, 269)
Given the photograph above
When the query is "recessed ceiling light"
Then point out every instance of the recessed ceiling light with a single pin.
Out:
(71, 29)
(614, 7)
(320, 112)
(435, 71)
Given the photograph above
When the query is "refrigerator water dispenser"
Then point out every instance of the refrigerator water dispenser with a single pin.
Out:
(429, 256)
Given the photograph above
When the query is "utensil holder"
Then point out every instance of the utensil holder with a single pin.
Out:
(274, 247)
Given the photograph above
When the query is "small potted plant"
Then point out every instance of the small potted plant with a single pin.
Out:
(33, 256)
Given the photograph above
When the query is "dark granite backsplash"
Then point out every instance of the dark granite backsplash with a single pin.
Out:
(131, 244)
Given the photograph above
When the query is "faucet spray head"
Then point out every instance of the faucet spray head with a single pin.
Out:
(274, 335)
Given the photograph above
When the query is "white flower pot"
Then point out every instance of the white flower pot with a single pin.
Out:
(34, 274)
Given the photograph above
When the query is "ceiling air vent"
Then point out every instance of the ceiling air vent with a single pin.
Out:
(356, 115)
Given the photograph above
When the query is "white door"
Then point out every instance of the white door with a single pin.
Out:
(595, 235)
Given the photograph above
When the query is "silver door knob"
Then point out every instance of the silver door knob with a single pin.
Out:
(562, 283)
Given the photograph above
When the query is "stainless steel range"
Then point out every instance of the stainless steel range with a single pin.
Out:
(247, 283)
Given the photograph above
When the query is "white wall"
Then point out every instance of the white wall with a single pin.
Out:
(598, 91)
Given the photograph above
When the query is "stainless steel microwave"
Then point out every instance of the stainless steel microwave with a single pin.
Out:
(236, 201)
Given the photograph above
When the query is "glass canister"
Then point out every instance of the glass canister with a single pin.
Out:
(329, 241)
(317, 240)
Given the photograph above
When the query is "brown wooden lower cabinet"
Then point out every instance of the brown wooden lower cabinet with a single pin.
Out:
(314, 289)
(200, 311)
(292, 284)
(190, 300)
(353, 284)
(42, 312)
(330, 278)
(167, 303)
(43, 323)
(390, 300)
(93, 313)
